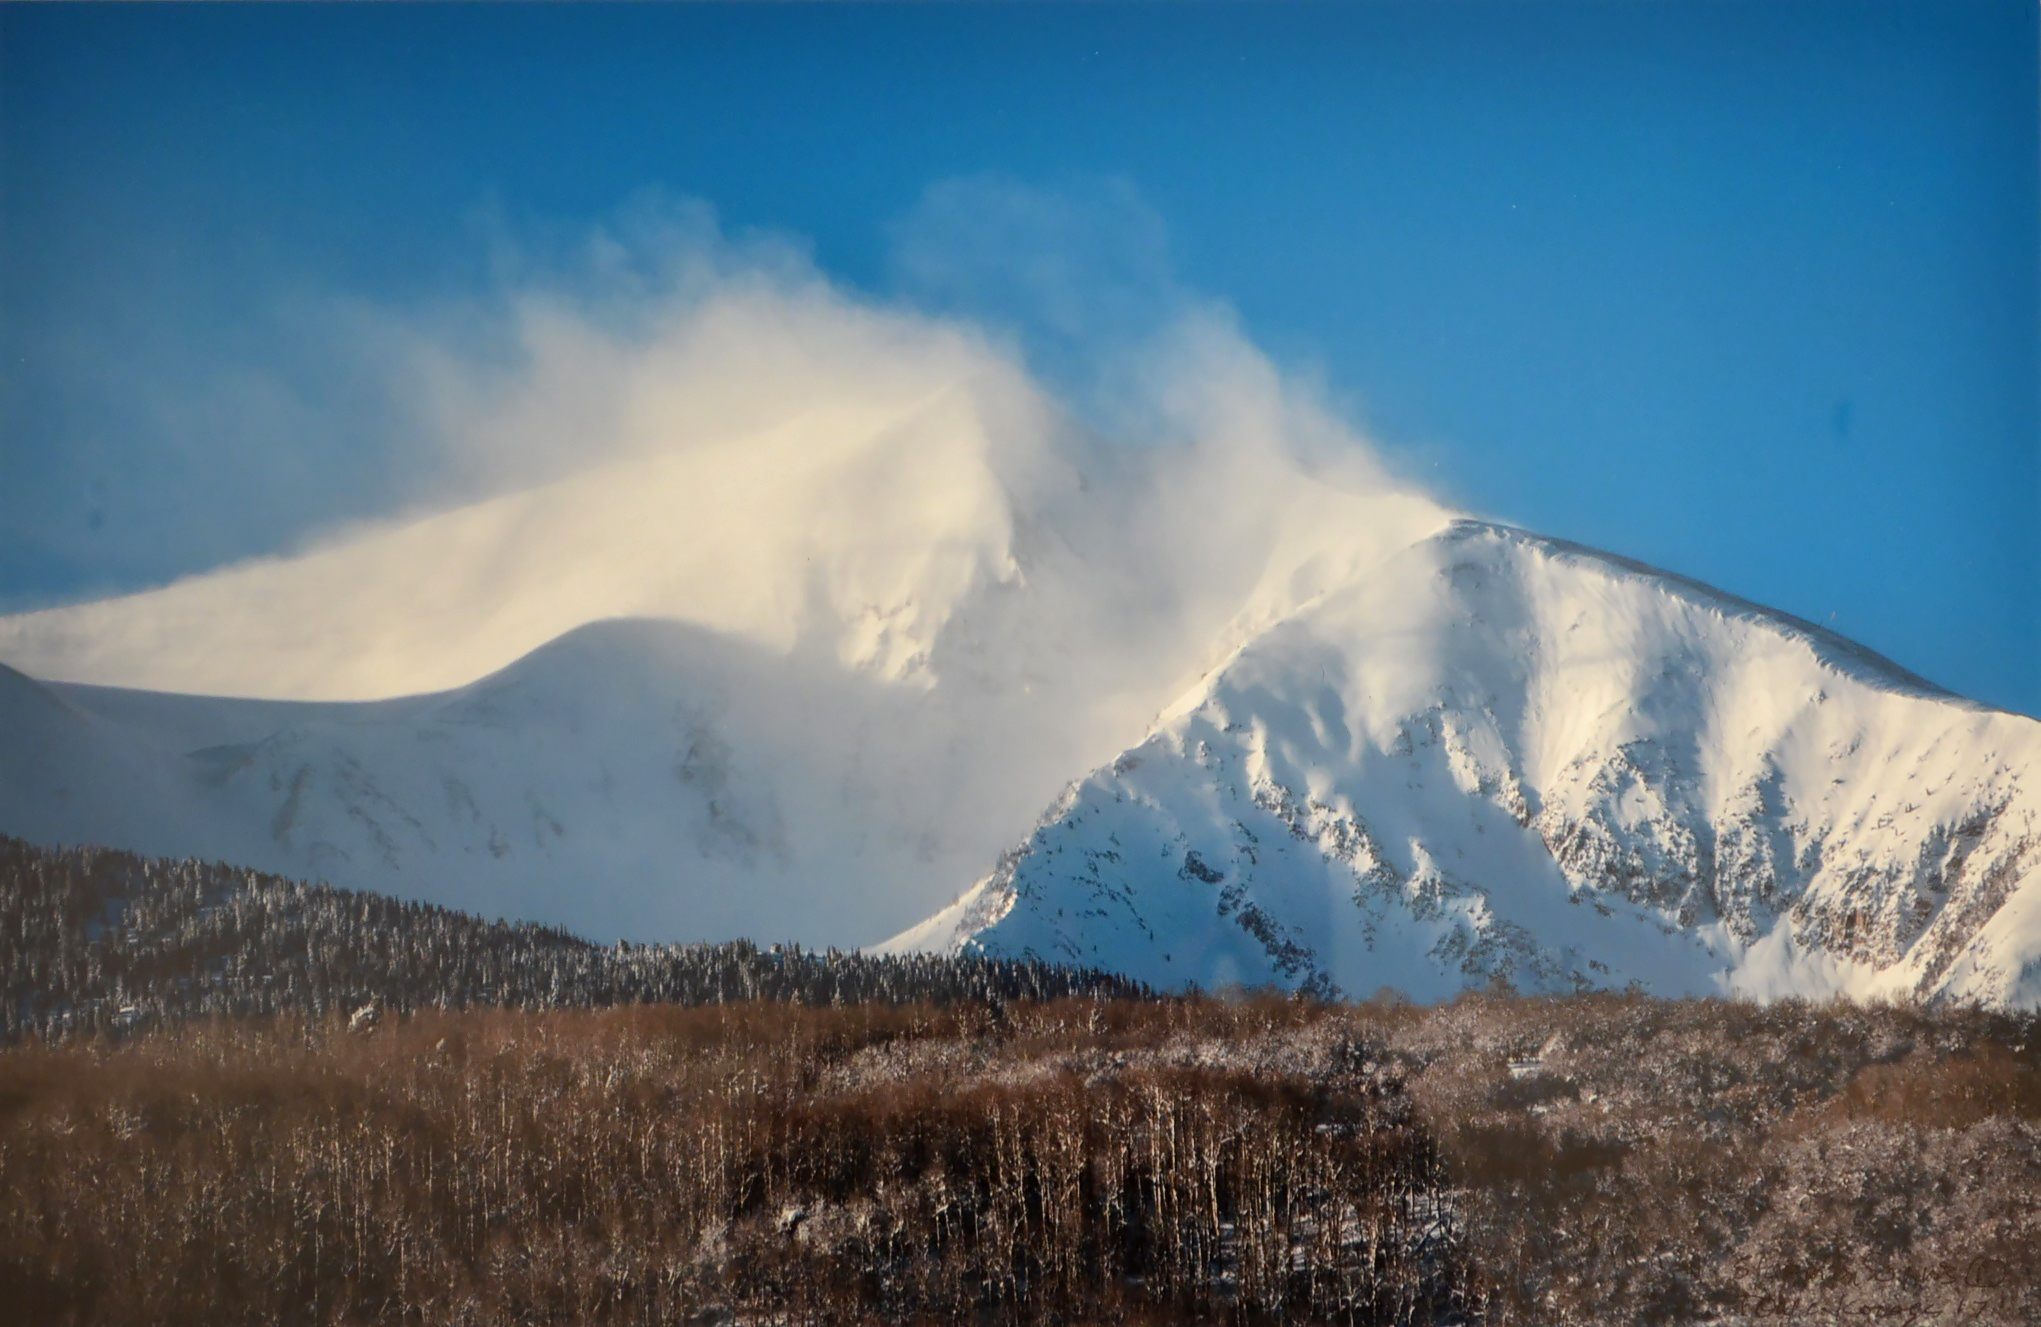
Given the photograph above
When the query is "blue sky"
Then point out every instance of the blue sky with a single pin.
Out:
(1752, 292)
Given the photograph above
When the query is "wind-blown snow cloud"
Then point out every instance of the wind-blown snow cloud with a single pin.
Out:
(926, 584)
(689, 427)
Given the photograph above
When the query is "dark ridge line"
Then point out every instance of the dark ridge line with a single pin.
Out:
(104, 940)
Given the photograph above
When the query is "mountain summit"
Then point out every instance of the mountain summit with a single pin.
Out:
(1496, 756)
(1364, 746)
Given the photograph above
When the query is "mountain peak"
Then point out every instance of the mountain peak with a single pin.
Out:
(1420, 752)
(1839, 652)
(1501, 756)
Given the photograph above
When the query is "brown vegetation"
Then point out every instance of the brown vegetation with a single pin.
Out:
(943, 1151)
(1593, 1160)
(1624, 1160)
(1072, 1161)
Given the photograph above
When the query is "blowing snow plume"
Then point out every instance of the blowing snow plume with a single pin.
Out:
(743, 606)
(764, 455)
(890, 593)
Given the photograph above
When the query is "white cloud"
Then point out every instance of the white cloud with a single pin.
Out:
(689, 429)
(682, 426)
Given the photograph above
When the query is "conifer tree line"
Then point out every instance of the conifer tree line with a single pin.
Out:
(94, 940)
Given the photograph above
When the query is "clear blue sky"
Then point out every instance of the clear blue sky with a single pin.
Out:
(1745, 291)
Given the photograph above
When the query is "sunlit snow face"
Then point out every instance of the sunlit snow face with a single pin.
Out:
(757, 453)
(893, 594)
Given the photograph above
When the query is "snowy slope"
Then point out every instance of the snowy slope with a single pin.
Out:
(803, 681)
(796, 682)
(62, 766)
(1502, 756)
(639, 778)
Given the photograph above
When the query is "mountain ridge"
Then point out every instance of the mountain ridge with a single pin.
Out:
(1685, 799)
(1475, 755)
(1824, 638)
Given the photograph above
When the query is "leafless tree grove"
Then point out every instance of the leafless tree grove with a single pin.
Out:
(747, 1162)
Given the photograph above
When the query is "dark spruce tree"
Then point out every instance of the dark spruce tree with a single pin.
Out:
(94, 940)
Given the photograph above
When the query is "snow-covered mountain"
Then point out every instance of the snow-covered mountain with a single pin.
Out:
(1485, 754)
(1496, 755)
(800, 677)
(804, 680)
(648, 779)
